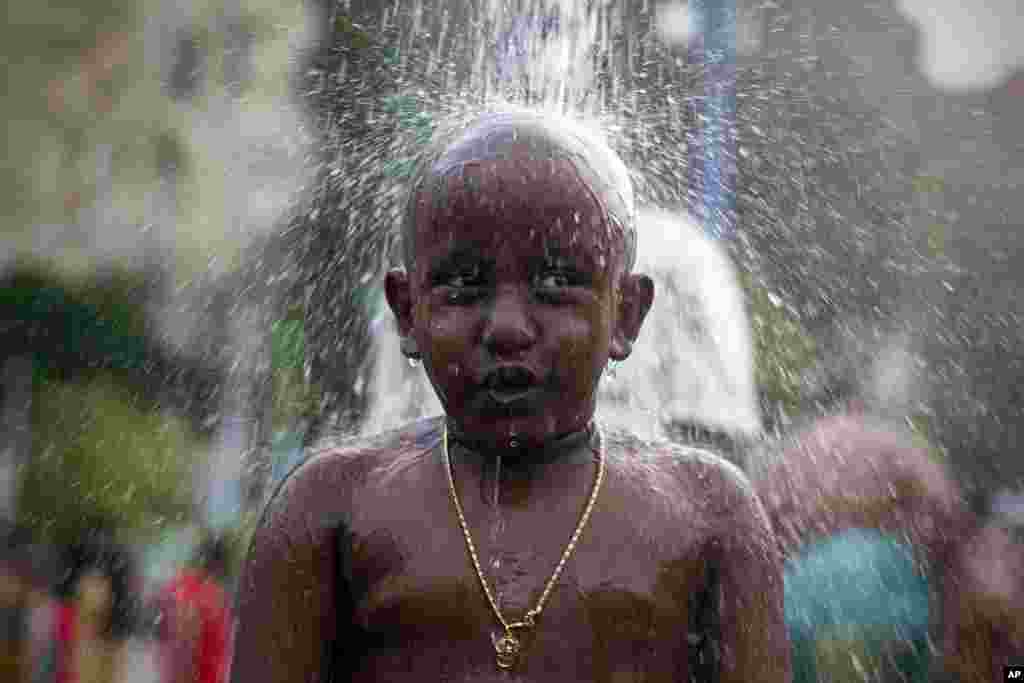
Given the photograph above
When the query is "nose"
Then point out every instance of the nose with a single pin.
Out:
(509, 329)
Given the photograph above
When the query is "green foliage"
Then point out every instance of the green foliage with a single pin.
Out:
(936, 239)
(923, 431)
(928, 183)
(783, 349)
(346, 31)
(100, 320)
(294, 395)
(288, 342)
(100, 453)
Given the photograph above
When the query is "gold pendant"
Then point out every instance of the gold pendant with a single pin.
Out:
(507, 650)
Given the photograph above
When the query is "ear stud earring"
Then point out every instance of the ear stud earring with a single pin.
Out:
(410, 351)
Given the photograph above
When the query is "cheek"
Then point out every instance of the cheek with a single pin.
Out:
(584, 343)
(444, 338)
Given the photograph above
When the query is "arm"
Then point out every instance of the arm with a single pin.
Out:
(752, 639)
(287, 601)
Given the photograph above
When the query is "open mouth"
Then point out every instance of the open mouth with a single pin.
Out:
(511, 384)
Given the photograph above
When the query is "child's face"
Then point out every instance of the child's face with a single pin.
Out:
(517, 299)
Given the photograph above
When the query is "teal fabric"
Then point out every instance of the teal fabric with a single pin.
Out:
(857, 596)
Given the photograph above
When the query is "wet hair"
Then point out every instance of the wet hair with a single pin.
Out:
(500, 135)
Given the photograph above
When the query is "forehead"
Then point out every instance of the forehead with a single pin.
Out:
(516, 203)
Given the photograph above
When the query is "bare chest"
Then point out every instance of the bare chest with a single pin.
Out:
(631, 595)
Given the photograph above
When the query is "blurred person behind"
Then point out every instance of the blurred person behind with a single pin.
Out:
(196, 627)
(43, 610)
(93, 618)
(41, 615)
(14, 591)
(870, 525)
(86, 649)
(26, 606)
(987, 632)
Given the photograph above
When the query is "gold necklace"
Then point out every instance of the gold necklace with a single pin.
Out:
(507, 647)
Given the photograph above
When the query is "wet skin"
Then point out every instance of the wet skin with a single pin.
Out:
(359, 571)
(517, 299)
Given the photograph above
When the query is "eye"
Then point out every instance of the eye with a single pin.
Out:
(459, 277)
(560, 285)
(462, 285)
(465, 279)
(554, 280)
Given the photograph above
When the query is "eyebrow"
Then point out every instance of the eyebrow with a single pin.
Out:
(556, 254)
(456, 258)
(560, 256)
(461, 256)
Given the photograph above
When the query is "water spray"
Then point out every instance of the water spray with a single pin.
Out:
(713, 159)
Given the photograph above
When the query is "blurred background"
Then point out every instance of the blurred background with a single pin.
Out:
(201, 197)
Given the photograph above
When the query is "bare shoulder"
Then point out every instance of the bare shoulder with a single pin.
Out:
(703, 483)
(295, 595)
(320, 489)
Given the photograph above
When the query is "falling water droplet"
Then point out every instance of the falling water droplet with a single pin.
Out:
(514, 443)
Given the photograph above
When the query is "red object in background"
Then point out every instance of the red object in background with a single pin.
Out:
(196, 629)
(65, 627)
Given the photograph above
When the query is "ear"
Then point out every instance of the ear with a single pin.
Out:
(398, 292)
(636, 297)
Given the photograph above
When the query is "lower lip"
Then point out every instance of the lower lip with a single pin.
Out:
(507, 397)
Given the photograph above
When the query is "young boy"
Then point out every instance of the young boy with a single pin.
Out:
(510, 539)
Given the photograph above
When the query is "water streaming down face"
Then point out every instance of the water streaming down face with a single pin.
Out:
(693, 362)
(832, 218)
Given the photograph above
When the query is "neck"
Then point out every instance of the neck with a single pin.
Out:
(575, 447)
(514, 476)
